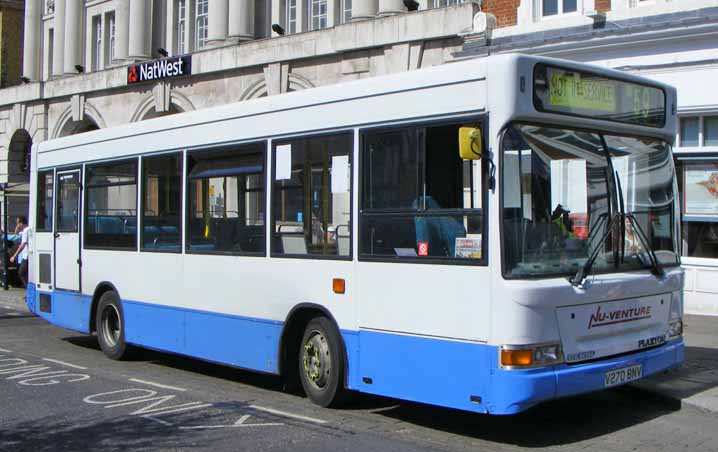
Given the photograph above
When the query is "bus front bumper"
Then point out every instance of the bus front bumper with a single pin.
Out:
(513, 391)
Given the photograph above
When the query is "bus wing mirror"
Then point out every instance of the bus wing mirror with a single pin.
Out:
(470, 147)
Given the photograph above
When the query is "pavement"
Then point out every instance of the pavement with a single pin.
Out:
(694, 384)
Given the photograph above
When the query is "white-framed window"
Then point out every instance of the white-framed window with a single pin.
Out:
(50, 50)
(181, 27)
(346, 11)
(443, 3)
(110, 49)
(698, 131)
(318, 14)
(558, 7)
(291, 15)
(201, 20)
(96, 43)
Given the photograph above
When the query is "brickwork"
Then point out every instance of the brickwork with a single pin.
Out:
(603, 6)
(11, 27)
(504, 10)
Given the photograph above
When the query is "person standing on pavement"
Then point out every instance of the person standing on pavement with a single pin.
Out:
(21, 253)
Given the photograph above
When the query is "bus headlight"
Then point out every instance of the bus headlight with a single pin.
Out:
(522, 356)
(675, 319)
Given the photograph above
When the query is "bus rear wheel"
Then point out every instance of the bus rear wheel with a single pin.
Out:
(110, 326)
(322, 363)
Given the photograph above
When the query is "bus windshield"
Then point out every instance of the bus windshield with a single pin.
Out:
(570, 194)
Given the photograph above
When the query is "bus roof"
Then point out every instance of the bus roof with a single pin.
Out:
(456, 88)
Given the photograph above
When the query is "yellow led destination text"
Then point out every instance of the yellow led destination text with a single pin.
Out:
(574, 92)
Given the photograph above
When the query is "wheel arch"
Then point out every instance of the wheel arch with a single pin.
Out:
(100, 289)
(291, 337)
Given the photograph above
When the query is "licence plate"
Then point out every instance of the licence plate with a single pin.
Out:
(623, 375)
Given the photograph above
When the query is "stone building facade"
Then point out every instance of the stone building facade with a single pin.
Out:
(77, 53)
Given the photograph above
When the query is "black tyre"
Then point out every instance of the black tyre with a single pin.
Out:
(322, 363)
(110, 326)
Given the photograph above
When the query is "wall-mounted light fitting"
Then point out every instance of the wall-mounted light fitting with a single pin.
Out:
(278, 29)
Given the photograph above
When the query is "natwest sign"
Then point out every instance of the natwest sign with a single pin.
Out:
(160, 69)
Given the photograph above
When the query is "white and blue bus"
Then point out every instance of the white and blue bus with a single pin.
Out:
(483, 235)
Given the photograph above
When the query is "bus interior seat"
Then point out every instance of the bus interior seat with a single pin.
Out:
(343, 240)
(292, 238)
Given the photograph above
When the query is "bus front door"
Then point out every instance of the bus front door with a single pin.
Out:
(67, 231)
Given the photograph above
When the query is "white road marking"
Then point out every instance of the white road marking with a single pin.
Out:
(242, 419)
(239, 423)
(5, 351)
(152, 418)
(63, 363)
(157, 385)
(189, 406)
(289, 415)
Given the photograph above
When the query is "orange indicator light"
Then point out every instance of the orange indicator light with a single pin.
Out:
(338, 285)
(516, 357)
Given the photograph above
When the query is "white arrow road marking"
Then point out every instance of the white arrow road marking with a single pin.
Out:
(290, 415)
(242, 419)
(152, 418)
(239, 423)
(62, 363)
(157, 385)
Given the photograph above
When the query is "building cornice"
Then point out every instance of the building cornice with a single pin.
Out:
(701, 23)
(356, 36)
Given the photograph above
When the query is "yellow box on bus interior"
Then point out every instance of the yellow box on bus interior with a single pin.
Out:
(470, 147)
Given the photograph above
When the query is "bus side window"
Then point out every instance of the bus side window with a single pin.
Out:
(225, 201)
(43, 218)
(311, 207)
(162, 203)
(419, 198)
(111, 207)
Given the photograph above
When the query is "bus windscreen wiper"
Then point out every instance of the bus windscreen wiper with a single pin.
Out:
(656, 267)
(582, 272)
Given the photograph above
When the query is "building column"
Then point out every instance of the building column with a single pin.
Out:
(217, 22)
(140, 33)
(58, 48)
(364, 9)
(73, 32)
(241, 23)
(32, 39)
(391, 7)
(122, 29)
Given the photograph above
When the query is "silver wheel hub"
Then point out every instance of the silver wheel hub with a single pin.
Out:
(317, 360)
(111, 325)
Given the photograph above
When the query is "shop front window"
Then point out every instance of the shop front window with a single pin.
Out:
(700, 209)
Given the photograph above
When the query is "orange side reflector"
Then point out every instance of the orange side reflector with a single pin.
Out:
(338, 285)
(516, 357)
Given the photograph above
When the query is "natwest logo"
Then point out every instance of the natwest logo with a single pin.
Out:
(601, 318)
(160, 69)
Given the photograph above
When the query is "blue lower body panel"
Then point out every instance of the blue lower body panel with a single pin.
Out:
(462, 375)
(69, 310)
(238, 341)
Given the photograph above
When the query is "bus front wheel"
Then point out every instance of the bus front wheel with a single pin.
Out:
(110, 326)
(322, 363)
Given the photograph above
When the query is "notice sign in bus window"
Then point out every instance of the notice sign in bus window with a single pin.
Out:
(578, 93)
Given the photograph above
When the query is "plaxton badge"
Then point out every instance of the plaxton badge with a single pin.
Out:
(160, 69)
(651, 341)
(615, 316)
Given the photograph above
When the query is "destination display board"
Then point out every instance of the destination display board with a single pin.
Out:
(578, 93)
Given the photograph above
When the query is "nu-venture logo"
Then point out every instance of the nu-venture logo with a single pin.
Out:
(603, 318)
(160, 69)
